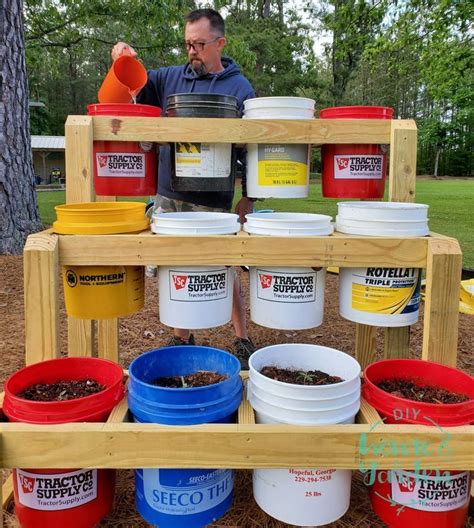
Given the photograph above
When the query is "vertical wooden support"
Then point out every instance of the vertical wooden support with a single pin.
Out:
(79, 188)
(108, 339)
(41, 275)
(402, 184)
(366, 344)
(443, 282)
(108, 329)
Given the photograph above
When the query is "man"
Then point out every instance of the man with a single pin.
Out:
(207, 71)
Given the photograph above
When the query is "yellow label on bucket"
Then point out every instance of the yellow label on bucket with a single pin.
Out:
(282, 165)
(386, 291)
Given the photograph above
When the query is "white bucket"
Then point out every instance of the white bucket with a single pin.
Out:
(278, 170)
(195, 223)
(304, 497)
(287, 298)
(382, 219)
(380, 296)
(195, 297)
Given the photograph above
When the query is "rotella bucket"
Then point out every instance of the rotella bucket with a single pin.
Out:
(357, 170)
(184, 498)
(59, 498)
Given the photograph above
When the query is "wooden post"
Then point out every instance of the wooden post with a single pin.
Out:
(79, 188)
(402, 184)
(366, 344)
(108, 339)
(443, 282)
(41, 275)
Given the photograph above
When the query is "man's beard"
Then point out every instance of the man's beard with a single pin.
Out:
(199, 68)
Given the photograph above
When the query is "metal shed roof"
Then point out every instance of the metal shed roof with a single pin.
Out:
(47, 143)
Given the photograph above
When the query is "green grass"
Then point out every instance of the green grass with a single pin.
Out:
(450, 213)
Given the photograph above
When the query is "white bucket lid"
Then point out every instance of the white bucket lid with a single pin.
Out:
(295, 224)
(381, 211)
(279, 102)
(195, 223)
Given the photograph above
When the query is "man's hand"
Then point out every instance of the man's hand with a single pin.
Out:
(244, 206)
(122, 48)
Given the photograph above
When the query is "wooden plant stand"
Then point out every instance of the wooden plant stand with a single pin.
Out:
(120, 444)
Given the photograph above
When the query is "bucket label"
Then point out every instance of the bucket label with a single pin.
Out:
(281, 287)
(203, 160)
(432, 494)
(358, 167)
(120, 164)
(56, 491)
(283, 165)
(198, 286)
(186, 492)
(87, 279)
(386, 290)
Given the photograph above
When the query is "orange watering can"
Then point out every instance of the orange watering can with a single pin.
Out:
(126, 77)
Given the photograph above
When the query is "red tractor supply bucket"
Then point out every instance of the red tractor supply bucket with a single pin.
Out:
(354, 171)
(409, 499)
(56, 498)
(124, 168)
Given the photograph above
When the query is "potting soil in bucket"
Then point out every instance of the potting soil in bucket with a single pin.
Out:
(278, 170)
(187, 498)
(303, 497)
(202, 166)
(413, 498)
(381, 296)
(287, 298)
(194, 297)
(124, 168)
(357, 170)
(102, 292)
(55, 498)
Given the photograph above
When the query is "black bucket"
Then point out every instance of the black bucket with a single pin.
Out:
(202, 166)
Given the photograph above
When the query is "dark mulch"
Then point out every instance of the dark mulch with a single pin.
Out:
(61, 391)
(300, 377)
(404, 388)
(201, 378)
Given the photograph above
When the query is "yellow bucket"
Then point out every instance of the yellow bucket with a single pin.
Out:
(103, 292)
(100, 218)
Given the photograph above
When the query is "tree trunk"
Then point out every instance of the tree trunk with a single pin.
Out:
(438, 154)
(18, 206)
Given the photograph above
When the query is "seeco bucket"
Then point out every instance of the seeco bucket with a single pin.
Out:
(287, 298)
(124, 168)
(278, 170)
(76, 498)
(429, 498)
(303, 497)
(202, 166)
(183, 498)
(357, 170)
(194, 297)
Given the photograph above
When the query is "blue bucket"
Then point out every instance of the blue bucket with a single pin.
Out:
(187, 498)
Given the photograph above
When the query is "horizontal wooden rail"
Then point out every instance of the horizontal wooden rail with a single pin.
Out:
(147, 248)
(125, 445)
(171, 129)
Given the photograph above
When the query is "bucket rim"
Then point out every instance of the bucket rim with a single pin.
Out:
(123, 109)
(255, 100)
(282, 216)
(383, 205)
(339, 353)
(203, 94)
(174, 389)
(45, 405)
(386, 112)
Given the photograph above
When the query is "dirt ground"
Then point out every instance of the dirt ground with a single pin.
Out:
(143, 331)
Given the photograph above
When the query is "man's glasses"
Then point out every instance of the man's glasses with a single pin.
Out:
(199, 46)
